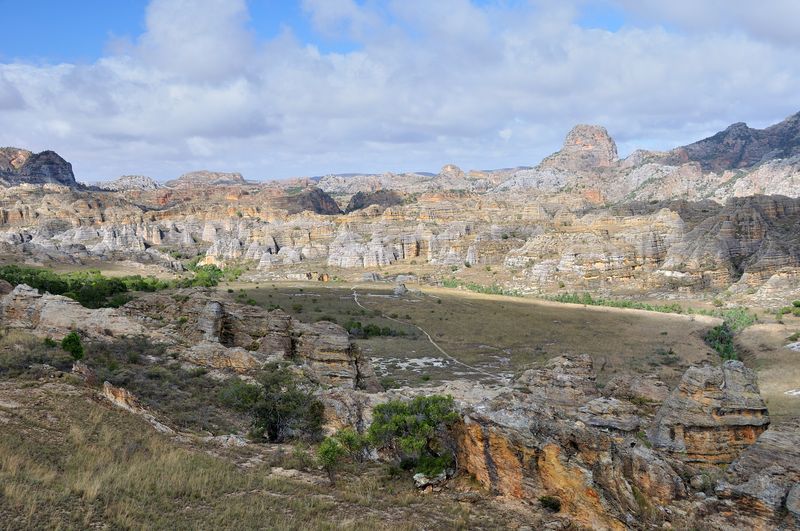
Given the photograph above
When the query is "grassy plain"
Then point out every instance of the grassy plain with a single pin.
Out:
(492, 333)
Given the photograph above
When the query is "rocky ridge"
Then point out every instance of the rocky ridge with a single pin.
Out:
(18, 166)
(129, 182)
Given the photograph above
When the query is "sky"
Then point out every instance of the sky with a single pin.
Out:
(275, 89)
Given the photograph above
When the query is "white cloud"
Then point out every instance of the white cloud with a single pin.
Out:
(430, 83)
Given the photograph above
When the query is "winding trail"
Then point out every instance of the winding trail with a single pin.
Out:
(430, 339)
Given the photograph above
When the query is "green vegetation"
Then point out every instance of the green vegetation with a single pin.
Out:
(94, 290)
(737, 319)
(369, 330)
(22, 354)
(329, 454)
(190, 398)
(279, 408)
(720, 338)
(794, 309)
(492, 289)
(587, 300)
(416, 431)
(72, 344)
(354, 444)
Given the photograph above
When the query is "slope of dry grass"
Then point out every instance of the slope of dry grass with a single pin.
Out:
(71, 461)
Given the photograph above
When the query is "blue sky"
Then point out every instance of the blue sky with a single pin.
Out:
(276, 89)
(79, 31)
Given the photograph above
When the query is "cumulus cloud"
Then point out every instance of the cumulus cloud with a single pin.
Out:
(427, 83)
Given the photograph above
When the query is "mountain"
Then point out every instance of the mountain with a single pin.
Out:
(740, 146)
(18, 166)
(737, 162)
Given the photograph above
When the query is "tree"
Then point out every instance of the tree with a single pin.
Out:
(280, 409)
(72, 344)
(416, 430)
(329, 455)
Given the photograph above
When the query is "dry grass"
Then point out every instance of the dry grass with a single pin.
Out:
(501, 335)
(68, 461)
(778, 367)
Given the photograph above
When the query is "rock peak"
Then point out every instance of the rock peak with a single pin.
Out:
(585, 147)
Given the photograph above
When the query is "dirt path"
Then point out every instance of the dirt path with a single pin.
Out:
(430, 339)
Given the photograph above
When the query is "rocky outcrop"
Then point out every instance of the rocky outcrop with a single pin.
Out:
(55, 316)
(129, 182)
(381, 198)
(203, 331)
(206, 178)
(712, 416)
(586, 147)
(574, 447)
(225, 335)
(19, 166)
(761, 489)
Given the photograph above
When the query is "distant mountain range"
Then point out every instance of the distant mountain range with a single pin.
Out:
(738, 161)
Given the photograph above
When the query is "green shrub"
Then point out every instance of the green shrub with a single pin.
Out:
(354, 444)
(416, 431)
(89, 287)
(72, 344)
(239, 395)
(329, 454)
(279, 408)
(720, 338)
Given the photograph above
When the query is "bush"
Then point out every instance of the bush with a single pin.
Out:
(19, 352)
(416, 431)
(239, 395)
(329, 455)
(720, 338)
(354, 444)
(72, 344)
(281, 410)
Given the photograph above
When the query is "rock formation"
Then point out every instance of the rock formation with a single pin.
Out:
(19, 166)
(740, 146)
(203, 330)
(129, 182)
(712, 416)
(207, 178)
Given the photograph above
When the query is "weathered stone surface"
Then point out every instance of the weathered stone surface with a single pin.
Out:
(5, 287)
(761, 487)
(55, 316)
(712, 416)
(565, 381)
(610, 413)
(637, 388)
(207, 178)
